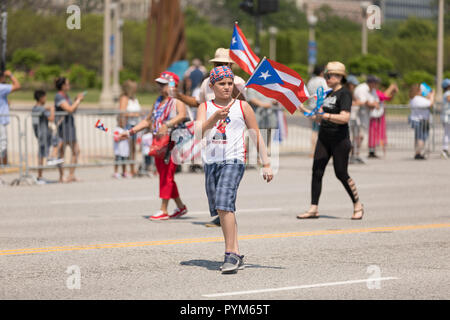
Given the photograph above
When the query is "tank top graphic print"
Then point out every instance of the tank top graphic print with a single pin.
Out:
(226, 140)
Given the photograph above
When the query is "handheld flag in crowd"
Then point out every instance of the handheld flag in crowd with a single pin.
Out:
(320, 96)
(100, 126)
(187, 148)
(276, 81)
(241, 53)
(425, 89)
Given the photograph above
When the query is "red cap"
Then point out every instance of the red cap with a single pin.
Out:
(165, 77)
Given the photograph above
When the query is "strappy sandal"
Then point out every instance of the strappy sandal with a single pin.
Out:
(309, 215)
(356, 211)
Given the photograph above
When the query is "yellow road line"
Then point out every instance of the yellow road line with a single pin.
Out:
(219, 239)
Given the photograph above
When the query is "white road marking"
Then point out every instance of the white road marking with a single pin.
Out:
(328, 284)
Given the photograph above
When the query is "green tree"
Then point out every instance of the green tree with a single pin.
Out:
(370, 64)
(415, 28)
(26, 59)
(80, 77)
(418, 76)
(47, 72)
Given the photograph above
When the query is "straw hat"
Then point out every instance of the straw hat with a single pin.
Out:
(222, 55)
(335, 67)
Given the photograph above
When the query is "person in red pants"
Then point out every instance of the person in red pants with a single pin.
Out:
(166, 113)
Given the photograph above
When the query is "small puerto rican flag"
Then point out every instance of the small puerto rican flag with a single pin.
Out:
(241, 53)
(99, 125)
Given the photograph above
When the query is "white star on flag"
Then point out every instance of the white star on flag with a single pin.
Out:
(233, 41)
(265, 75)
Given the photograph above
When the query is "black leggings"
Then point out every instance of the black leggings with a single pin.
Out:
(339, 150)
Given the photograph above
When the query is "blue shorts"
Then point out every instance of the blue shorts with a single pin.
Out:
(421, 129)
(222, 181)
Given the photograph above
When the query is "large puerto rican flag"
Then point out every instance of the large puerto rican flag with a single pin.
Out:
(279, 82)
(241, 53)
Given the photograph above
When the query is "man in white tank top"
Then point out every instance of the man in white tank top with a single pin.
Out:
(224, 121)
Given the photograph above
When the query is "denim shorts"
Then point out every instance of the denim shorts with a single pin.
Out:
(222, 181)
(120, 159)
(421, 129)
(3, 139)
(44, 147)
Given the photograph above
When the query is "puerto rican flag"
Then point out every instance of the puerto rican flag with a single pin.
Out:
(241, 53)
(279, 82)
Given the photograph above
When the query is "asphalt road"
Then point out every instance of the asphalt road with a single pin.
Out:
(91, 239)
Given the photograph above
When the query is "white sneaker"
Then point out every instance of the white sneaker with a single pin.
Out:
(444, 154)
(54, 162)
(41, 181)
(160, 216)
(117, 175)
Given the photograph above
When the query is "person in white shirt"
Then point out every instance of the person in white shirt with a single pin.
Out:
(366, 94)
(131, 109)
(420, 118)
(121, 151)
(223, 122)
(221, 58)
(445, 116)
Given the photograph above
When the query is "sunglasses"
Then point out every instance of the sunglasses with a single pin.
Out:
(219, 64)
(329, 75)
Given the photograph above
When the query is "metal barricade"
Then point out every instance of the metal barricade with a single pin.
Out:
(399, 133)
(11, 159)
(96, 146)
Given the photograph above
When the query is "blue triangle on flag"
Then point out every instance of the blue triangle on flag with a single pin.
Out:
(236, 41)
(265, 74)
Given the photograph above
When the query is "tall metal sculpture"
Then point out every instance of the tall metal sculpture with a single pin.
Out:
(165, 41)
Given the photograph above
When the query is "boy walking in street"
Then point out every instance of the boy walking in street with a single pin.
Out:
(224, 121)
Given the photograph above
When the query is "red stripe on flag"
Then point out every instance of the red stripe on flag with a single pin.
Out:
(285, 69)
(277, 95)
(298, 91)
(239, 62)
(241, 34)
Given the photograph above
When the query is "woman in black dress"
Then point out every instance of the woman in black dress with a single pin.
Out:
(333, 141)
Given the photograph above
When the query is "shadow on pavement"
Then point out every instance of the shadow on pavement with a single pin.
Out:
(215, 265)
(328, 217)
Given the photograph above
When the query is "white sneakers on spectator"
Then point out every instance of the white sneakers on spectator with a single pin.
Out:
(54, 162)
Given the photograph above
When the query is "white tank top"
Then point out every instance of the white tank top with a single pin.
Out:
(226, 140)
(133, 105)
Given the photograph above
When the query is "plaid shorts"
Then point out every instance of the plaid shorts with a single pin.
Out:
(222, 181)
